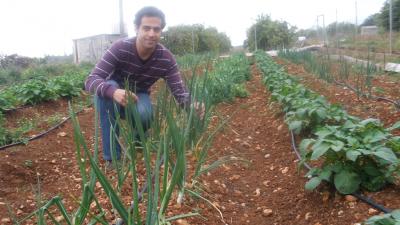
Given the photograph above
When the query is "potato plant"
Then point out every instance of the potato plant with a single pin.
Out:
(392, 218)
(355, 153)
(36, 91)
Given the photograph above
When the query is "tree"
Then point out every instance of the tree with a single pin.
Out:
(181, 39)
(308, 33)
(16, 61)
(384, 15)
(225, 44)
(372, 20)
(270, 34)
(340, 29)
(196, 38)
(208, 40)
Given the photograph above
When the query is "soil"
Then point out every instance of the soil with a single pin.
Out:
(266, 189)
(43, 116)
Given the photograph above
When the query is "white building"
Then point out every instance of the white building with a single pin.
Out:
(91, 49)
(369, 30)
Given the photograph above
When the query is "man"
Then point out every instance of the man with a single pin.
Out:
(141, 61)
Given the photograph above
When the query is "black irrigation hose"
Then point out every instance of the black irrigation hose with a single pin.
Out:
(378, 98)
(396, 103)
(296, 151)
(39, 135)
(372, 203)
(357, 195)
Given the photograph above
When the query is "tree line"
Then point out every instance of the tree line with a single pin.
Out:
(382, 19)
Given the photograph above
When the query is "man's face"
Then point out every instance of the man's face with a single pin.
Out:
(149, 32)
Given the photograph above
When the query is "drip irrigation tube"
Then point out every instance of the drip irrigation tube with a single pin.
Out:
(357, 195)
(39, 135)
(378, 98)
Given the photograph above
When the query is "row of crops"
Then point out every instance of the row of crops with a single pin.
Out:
(40, 89)
(360, 76)
(174, 134)
(43, 88)
(336, 68)
(352, 153)
(362, 150)
(323, 65)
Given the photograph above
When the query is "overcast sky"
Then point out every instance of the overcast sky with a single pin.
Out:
(47, 27)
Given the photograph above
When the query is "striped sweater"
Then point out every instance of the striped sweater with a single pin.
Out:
(121, 62)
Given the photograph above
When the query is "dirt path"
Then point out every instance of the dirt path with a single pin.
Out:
(268, 190)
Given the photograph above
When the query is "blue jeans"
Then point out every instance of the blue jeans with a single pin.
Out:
(107, 113)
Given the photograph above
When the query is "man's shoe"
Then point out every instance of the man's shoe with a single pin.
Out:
(109, 165)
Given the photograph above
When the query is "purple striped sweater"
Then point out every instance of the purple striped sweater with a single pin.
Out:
(121, 62)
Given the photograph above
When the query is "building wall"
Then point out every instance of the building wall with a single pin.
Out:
(91, 49)
(369, 30)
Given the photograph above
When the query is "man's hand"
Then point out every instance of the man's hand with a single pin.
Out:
(121, 96)
(199, 108)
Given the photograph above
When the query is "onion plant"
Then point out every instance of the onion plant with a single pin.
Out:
(361, 71)
(160, 152)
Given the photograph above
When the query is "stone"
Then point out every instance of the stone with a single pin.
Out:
(372, 211)
(182, 222)
(266, 183)
(62, 134)
(257, 192)
(19, 212)
(267, 212)
(59, 218)
(245, 144)
(234, 177)
(5, 220)
(350, 198)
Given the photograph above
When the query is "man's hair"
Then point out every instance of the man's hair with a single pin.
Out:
(149, 11)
